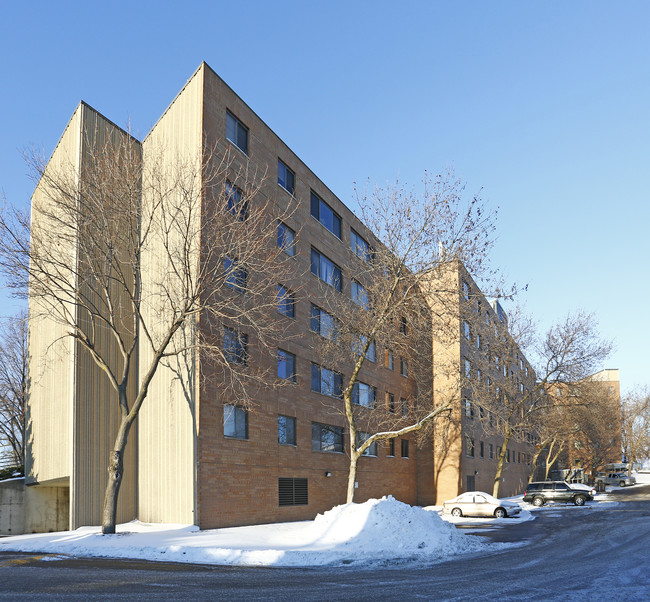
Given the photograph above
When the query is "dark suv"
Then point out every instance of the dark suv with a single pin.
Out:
(555, 491)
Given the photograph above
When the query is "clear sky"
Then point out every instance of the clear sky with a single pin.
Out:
(545, 106)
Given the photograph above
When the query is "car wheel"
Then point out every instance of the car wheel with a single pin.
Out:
(456, 513)
(500, 513)
(622, 483)
(579, 500)
(538, 501)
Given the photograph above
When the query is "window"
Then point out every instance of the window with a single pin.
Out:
(466, 330)
(403, 366)
(364, 395)
(390, 447)
(405, 406)
(478, 341)
(235, 422)
(286, 239)
(469, 409)
(326, 269)
(286, 430)
(286, 177)
(293, 492)
(236, 132)
(468, 369)
(405, 448)
(390, 360)
(478, 376)
(235, 346)
(326, 381)
(286, 301)
(469, 447)
(236, 205)
(481, 448)
(390, 403)
(359, 294)
(491, 451)
(286, 365)
(360, 247)
(371, 450)
(322, 323)
(465, 288)
(358, 344)
(236, 276)
(326, 438)
(403, 326)
(325, 215)
(521, 388)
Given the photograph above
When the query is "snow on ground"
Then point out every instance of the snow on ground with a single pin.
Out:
(373, 532)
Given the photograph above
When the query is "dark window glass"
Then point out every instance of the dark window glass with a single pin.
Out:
(326, 438)
(359, 294)
(363, 395)
(286, 177)
(236, 276)
(405, 448)
(286, 301)
(326, 381)
(322, 323)
(236, 132)
(235, 346)
(286, 239)
(286, 430)
(326, 269)
(236, 205)
(360, 247)
(391, 447)
(235, 422)
(325, 215)
(371, 450)
(286, 365)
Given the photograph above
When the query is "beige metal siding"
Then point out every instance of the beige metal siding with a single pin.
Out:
(51, 365)
(167, 423)
(96, 415)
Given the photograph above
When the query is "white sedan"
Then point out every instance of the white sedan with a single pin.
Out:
(478, 503)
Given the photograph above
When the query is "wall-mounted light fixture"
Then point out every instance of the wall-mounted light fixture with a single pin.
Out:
(328, 473)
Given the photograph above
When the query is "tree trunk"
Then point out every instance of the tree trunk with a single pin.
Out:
(500, 464)
(115, 472)
(533, 464)
(352, 476)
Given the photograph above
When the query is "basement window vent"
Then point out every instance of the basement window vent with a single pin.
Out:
(292, 492)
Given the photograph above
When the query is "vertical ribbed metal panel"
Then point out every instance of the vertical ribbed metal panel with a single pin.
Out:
(96, 414)
(51, 366)
(167, 439)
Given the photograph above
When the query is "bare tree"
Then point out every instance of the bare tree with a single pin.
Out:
(636, 426)
(13, 390)
(209, 229)
(568, 353)
(387, 315)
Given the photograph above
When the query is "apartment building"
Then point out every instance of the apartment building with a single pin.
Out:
(196, 456)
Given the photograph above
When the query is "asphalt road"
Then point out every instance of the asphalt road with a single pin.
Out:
(565, 553)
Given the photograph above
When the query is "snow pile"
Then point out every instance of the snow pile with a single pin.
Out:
(376, 531)
(390, 529)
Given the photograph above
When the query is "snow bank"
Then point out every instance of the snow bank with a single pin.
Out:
(373, 532)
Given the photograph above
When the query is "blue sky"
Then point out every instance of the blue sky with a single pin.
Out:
(545, 106)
